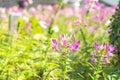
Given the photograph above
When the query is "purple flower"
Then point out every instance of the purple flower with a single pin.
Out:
(105, 52)
(100, 18)
(99, 4)
(77, 22)
(102, 57)
(62, 36)
(75, 46)
(108, 30)
(97, 46)
(92, 53)
(48, 21)
(55, 44)
(94, 59)
(87, 2)
(92, 29)
(77, 42)
(54, 7)
(25, 3)
(54, 41)
(109, 54)
(106, 61)
(65, 42)
(111, 48)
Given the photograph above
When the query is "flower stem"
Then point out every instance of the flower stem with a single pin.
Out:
(54, 17)
(83, 37)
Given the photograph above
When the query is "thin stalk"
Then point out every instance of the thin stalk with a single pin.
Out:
(52, 23)
(83, 37)
(50, 32)
(54, 17)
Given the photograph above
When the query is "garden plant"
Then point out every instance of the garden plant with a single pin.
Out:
(115, 30)
(57, 42)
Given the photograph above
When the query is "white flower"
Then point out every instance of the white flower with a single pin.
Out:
(107, 22)
(25, 18)
(42, 24)
(55, 29)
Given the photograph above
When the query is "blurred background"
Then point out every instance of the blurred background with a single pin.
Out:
(78, 3)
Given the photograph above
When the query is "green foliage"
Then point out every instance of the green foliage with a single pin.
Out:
(28, 54)
(115, 27)
(115, 31)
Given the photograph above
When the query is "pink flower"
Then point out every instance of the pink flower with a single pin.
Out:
(110, 48)
(48, 21)
(108, 30)
(106, 61)
(92, 29)
(77, 42)
(105, 52)
(100, 18)
(77, 22)
(99, 4)
(29, 25)
(114, 7)
(109, 54)
(26, 3)
(94, 59)
(20, 10)
(92, 53)
(68, 22)
(102, 57)
(33, 11)
(85, 22)
(62, 36)
(66, 42)
(55, 44)
(55, 7)
(74, 46)
(87, 2)
(97, 46)
(54, 41)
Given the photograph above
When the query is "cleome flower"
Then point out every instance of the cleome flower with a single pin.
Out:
(65, 43)
(103, 52)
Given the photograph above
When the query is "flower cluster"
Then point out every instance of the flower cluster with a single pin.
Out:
(103, 52)
(65, 43)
